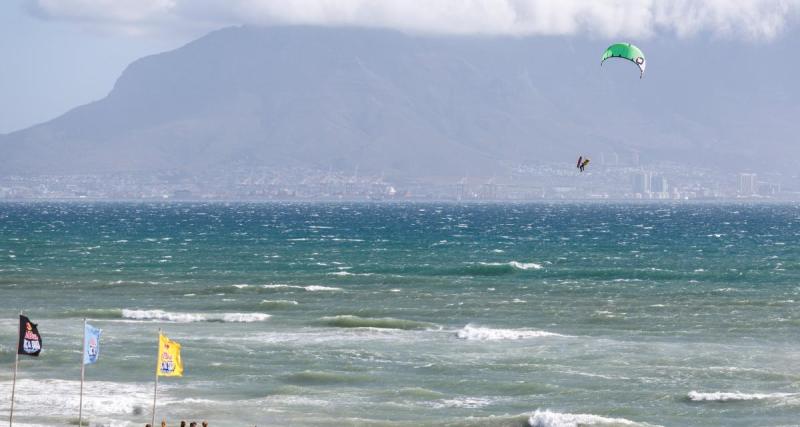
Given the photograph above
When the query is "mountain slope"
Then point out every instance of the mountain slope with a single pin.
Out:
(419, 106)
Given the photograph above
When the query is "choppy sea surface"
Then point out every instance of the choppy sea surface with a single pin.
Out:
(408, 314)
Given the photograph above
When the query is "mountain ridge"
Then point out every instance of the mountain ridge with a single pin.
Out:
(411, 105)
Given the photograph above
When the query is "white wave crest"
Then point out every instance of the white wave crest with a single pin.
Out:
(556, 419)
(470, 332)
(525, 265)
(279, 302)
(347, 273)
(463, 402)
(161, 315)
(341, 273)
(310, 288)
(719, 396)
(281, 287)
(318, 288)
(244, 317)
(516, 265)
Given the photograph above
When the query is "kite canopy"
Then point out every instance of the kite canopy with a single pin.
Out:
(626, 51)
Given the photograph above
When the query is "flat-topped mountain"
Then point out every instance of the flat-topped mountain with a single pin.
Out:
(413, 105)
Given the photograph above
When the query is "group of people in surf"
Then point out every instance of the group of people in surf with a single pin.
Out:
(183, 424)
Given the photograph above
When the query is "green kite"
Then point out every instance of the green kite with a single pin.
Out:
(626, 51)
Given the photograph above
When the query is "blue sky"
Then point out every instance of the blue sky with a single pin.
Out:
(58, 54)
(49, 66)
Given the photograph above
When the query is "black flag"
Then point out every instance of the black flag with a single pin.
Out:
(30, 342)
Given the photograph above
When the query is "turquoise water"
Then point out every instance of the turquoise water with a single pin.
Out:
(408, 314)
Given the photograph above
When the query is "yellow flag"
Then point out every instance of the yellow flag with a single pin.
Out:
(169, 358)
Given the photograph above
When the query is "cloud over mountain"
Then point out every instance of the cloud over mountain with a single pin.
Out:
(744, 19)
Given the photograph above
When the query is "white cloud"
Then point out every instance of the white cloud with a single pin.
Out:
(751, 19)
(126, 11)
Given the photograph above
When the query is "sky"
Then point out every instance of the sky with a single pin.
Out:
(58, 54)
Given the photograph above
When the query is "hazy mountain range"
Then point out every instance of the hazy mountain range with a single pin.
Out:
(412, 105)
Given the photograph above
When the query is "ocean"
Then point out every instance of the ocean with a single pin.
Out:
(407, 314)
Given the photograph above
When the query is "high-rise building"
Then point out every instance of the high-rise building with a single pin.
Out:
(488, 191)
(658, 184)
(747, 184)
(641, 183)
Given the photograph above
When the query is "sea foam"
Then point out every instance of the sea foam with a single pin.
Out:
(318, 288)
(719, 396)
(498, 268)
(309, 288)
(347, 273)
(515, 265)
(194, 317)
(477, 333)
(107, 402)
(556, 419)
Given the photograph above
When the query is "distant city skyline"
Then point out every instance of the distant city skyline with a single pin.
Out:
(539, 182)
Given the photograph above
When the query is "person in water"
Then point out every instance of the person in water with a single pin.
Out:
(583, 164)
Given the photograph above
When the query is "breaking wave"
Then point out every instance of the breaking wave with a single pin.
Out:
(500, 268)
(525, 265)
(318, 288)
(194, 317)
(279, 303)
(718, 396)
(556, 419)
(310, 288)
(347, 273)
(470, 332)
(349, 321)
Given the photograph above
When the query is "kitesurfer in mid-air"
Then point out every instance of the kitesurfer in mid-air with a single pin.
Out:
(582, 163)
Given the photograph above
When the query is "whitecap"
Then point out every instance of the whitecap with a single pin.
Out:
(549, 418)
(516, 265)
(341, 273)
(244, 317)
(470, 332)
(463, 402)
(279, 302)
(347, 273)
(525, 265)
(719, 396)
(161, 315)
(281, 287)
(318, 288)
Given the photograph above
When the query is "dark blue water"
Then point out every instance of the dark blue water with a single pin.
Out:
(410, 314)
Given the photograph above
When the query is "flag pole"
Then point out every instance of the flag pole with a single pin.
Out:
(14, 381)
(83, 368)
(13, 387)
(155, 387)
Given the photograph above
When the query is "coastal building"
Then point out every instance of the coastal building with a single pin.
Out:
(747, 184)
(659, 187)
(641, 184)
